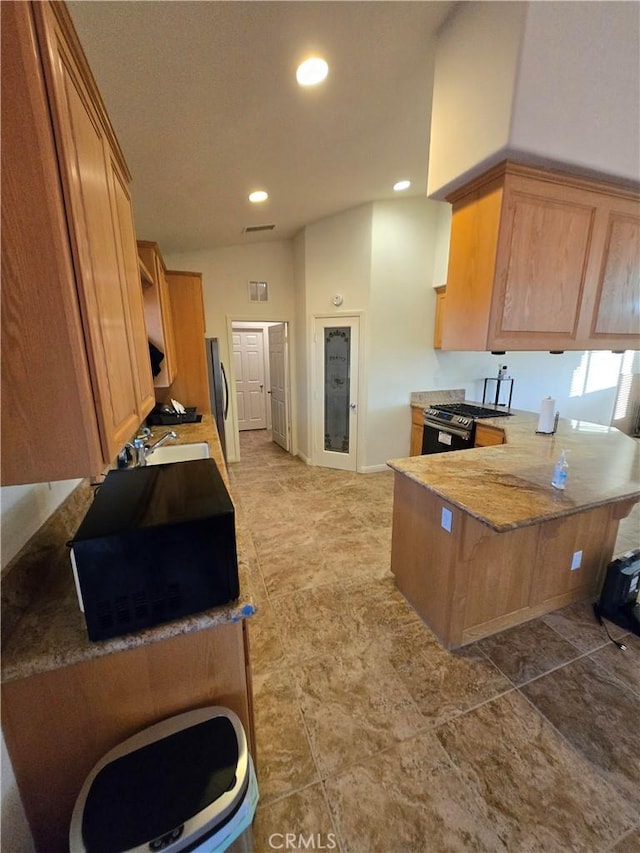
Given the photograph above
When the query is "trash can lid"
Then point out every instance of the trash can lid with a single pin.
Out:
(153, 784)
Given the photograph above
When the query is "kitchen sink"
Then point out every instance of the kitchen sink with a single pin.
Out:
(179, 453)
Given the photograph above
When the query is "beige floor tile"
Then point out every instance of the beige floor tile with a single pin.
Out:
(410, 800)
(577, 624)
(317, 622)
(354, 706)
(333, 636)
(543, 796)
(442, 683)
(299, 822)
(265, 646)
(527, 651)
(285, 762)
(630, 843)
(623, 665)
(599, 717)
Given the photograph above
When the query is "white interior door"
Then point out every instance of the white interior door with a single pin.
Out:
(335, 394)
(279, 380)
(248, 364)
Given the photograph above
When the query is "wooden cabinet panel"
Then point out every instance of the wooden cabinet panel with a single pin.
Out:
(617, 309)
(543, 260)
(157, 309)
(486, 436)
(191, 385)
(130, 275)
(46, 384)
(417, 431)
(75, 373)
(103, 297)
(593, 535)
(441, 298)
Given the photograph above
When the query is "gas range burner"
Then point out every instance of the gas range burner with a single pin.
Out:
(468, 410)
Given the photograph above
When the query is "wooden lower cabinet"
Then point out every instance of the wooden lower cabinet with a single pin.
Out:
(417, 431)
(475, 581)
(486, 436)
(58, 724)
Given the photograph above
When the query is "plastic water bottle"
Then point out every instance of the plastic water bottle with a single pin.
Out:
(560, 471)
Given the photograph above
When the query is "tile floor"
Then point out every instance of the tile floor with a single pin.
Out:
(372, 738)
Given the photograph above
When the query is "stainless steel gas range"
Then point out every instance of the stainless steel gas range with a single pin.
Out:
(451, 426)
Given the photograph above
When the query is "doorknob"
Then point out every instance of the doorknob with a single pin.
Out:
(353, 405)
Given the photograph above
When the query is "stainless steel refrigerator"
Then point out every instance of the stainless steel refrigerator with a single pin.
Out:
(218, 388)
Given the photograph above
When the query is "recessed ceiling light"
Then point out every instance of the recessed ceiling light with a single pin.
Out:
(258, 196)
(312, 71)
(402, 185)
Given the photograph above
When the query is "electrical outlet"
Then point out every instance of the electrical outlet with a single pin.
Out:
(576, 560)
(447, 519)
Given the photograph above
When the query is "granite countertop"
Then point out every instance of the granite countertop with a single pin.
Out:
(47, 631)
(508, 486)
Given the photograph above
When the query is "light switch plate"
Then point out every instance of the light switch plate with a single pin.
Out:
(447, 518)
(576, 560)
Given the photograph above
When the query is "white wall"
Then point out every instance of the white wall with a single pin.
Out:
(225, 276)
(477, 55)
(548, 83)
(300, 414)
(577, 98)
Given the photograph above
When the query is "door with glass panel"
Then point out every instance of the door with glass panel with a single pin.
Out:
(335, 396)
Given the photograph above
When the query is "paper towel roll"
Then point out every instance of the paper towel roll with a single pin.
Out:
(547, 415)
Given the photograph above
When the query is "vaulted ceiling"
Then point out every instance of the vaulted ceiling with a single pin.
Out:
(204, 101)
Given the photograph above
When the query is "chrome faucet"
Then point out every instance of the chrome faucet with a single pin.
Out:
(134, 454)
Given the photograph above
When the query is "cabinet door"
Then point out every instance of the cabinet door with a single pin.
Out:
(616, 311)
(486, 436)
(130, 274)
(417, 431)
(157, 309)
(83, 152)
(49, 429)
(541, 266)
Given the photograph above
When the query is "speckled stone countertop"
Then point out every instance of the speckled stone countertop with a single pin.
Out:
(44, 628)
(509, 485)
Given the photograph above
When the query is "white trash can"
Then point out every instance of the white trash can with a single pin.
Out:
(186, 783)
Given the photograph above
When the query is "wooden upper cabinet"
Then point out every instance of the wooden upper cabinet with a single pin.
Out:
(616, 310)
(157, 309)
(74, 373)
(542, 260)
(441, 298)
(131, 276)
(191, 385)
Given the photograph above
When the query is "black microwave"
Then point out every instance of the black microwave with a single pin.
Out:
(158, 543)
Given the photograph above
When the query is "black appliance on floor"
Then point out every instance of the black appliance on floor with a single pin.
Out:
(451, 426)
(158, 543)
(619, 598)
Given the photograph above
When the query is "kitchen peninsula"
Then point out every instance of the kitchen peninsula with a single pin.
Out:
(67, 701)
(482, 541)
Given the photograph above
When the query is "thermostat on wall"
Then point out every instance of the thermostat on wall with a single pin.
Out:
(337, 300)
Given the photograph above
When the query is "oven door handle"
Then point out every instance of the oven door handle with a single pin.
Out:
(466, 436)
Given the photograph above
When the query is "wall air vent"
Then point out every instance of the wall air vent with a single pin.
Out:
(251, 229)
(258, 291)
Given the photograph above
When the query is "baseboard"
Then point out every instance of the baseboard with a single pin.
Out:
(304, 458)
(373, 469)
